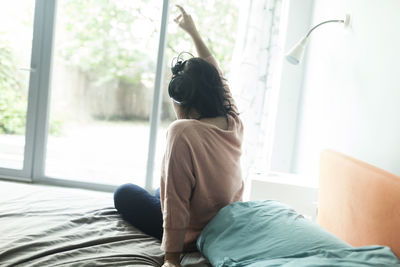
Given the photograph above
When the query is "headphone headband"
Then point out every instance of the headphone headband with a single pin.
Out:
(179, 63)
(179, 58)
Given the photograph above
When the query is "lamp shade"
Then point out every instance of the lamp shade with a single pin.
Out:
(296, 54)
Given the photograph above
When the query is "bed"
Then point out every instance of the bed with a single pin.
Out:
(52, 226)
(358, 216)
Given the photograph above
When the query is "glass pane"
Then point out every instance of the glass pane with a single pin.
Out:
(220, 39)
(16, 29)
(102, 88)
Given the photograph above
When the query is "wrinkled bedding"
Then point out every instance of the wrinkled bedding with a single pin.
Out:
(270, 233)
(52, 226)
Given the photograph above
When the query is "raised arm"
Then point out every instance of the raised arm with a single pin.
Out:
(185, 21)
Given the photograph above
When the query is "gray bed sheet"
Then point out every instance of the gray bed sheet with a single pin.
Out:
(52, 226)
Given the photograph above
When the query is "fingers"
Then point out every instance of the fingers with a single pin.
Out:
(177, 18)
(182, 10)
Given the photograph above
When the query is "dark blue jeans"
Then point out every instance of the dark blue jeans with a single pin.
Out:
(140, 208)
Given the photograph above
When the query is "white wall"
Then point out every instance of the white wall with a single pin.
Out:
(351, 89)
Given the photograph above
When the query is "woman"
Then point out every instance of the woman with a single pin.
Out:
(201, 167)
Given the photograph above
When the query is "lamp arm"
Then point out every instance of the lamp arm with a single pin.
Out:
(324, 22)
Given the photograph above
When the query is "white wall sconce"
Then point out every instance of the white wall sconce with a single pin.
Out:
(296, 54)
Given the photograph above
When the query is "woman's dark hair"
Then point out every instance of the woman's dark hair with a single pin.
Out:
(197, 84)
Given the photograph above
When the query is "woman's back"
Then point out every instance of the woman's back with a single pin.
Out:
(201, 174)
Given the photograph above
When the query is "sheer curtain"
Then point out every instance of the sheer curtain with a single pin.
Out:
(255, 59)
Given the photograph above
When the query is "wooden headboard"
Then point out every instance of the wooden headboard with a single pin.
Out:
(358, 202)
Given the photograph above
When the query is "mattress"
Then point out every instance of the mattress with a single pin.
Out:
(53, 226)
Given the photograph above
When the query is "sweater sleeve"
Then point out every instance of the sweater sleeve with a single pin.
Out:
(231, 101)
(177, 184)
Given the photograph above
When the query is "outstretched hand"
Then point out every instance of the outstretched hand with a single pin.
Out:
(185, 21)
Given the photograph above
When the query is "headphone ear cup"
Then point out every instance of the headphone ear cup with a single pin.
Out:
(171, 85)
(175, 88)
(180, 88)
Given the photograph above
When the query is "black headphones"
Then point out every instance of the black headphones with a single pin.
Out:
(177, 78)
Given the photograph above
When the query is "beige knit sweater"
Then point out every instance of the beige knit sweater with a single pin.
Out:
(200, 175)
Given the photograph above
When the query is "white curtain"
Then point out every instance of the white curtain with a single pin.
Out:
(254, 60)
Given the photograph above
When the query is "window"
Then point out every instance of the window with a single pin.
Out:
(89, 108)
(89, 78)
(103, 73)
